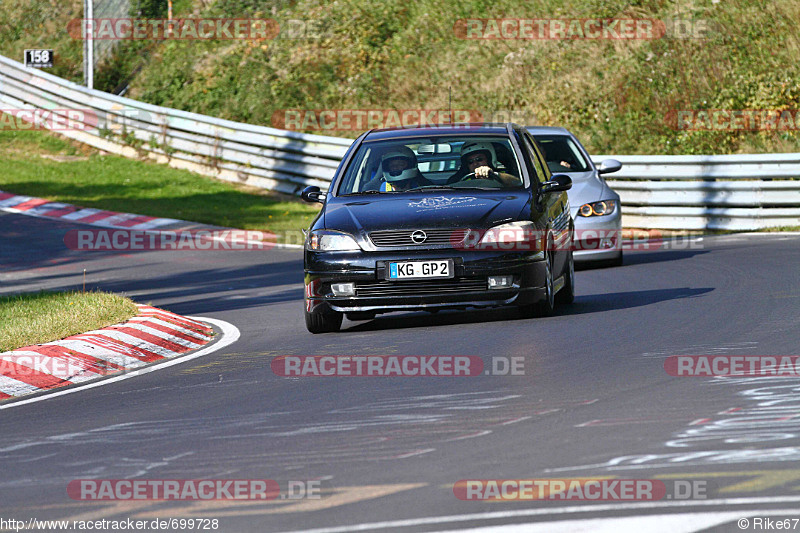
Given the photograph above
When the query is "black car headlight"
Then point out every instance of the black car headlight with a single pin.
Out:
(330, 241)
(521, 231)
(520, 235)
(598, 209)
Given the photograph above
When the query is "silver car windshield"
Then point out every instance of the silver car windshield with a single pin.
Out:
(562, 154)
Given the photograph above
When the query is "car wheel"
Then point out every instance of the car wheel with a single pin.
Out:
(547, 305)
(360, 315)
(323, 322)
(567, 293)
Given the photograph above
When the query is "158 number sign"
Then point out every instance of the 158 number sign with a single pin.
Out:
(39, 58)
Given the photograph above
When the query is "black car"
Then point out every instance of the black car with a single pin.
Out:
(439, 217)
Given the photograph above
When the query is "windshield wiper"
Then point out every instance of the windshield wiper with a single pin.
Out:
(366, 192)
(431, 188)
(451, 188)
(478, 188)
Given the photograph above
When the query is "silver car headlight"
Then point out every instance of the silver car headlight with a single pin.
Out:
(330, 241)
(598, 209)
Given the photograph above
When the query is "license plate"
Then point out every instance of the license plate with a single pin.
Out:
(442, 268)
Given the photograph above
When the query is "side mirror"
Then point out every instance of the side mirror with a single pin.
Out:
(312, 193)
(559, 182)
(607, 166)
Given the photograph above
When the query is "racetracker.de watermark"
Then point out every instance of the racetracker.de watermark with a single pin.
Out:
(31, 364)
(378, 118)
(733, 119)
(581, 28)
(122, 240)
(582, 489)
(48, 119)
(558, 28)
(308, 29)
(732, 365)
(525, 239)
(192, 489)
(395, 366)
(121, 29)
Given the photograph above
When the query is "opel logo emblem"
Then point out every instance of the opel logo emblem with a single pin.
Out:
(419, 236)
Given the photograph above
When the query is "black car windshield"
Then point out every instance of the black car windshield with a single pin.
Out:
(436, 163)
(562, 154)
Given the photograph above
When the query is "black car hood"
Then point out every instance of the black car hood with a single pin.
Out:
(468, 209)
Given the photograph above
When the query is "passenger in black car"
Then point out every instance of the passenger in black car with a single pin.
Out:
(399, 172)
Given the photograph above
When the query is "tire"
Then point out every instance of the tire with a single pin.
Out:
(546, 306)
(323, 322)
(567, 293)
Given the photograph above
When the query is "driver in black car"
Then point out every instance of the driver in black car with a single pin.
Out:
(478, 161)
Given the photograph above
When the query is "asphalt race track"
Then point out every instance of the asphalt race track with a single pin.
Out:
(594, 400)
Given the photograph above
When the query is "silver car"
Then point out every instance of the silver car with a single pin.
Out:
(593, 204)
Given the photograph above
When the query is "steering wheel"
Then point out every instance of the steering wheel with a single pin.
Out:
(492, 176)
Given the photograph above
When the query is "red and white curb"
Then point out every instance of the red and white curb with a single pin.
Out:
(42, 208)
(151, 336)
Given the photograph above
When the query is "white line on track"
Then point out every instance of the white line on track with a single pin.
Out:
(499, 515)
(660, 523)
(230, 334)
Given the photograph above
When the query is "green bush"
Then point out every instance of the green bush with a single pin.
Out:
(617, 95)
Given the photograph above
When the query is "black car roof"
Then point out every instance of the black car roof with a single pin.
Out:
(482, 128)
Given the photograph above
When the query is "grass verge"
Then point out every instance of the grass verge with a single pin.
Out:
(41, 164)
(41, 317)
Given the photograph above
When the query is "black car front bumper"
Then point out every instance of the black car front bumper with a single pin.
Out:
(468, 288)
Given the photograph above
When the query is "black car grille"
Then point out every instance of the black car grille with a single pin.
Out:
(420, 287)
(403, 237)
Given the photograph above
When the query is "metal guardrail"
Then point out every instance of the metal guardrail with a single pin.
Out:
(719, 192)
(255, 155)
(734, 192)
